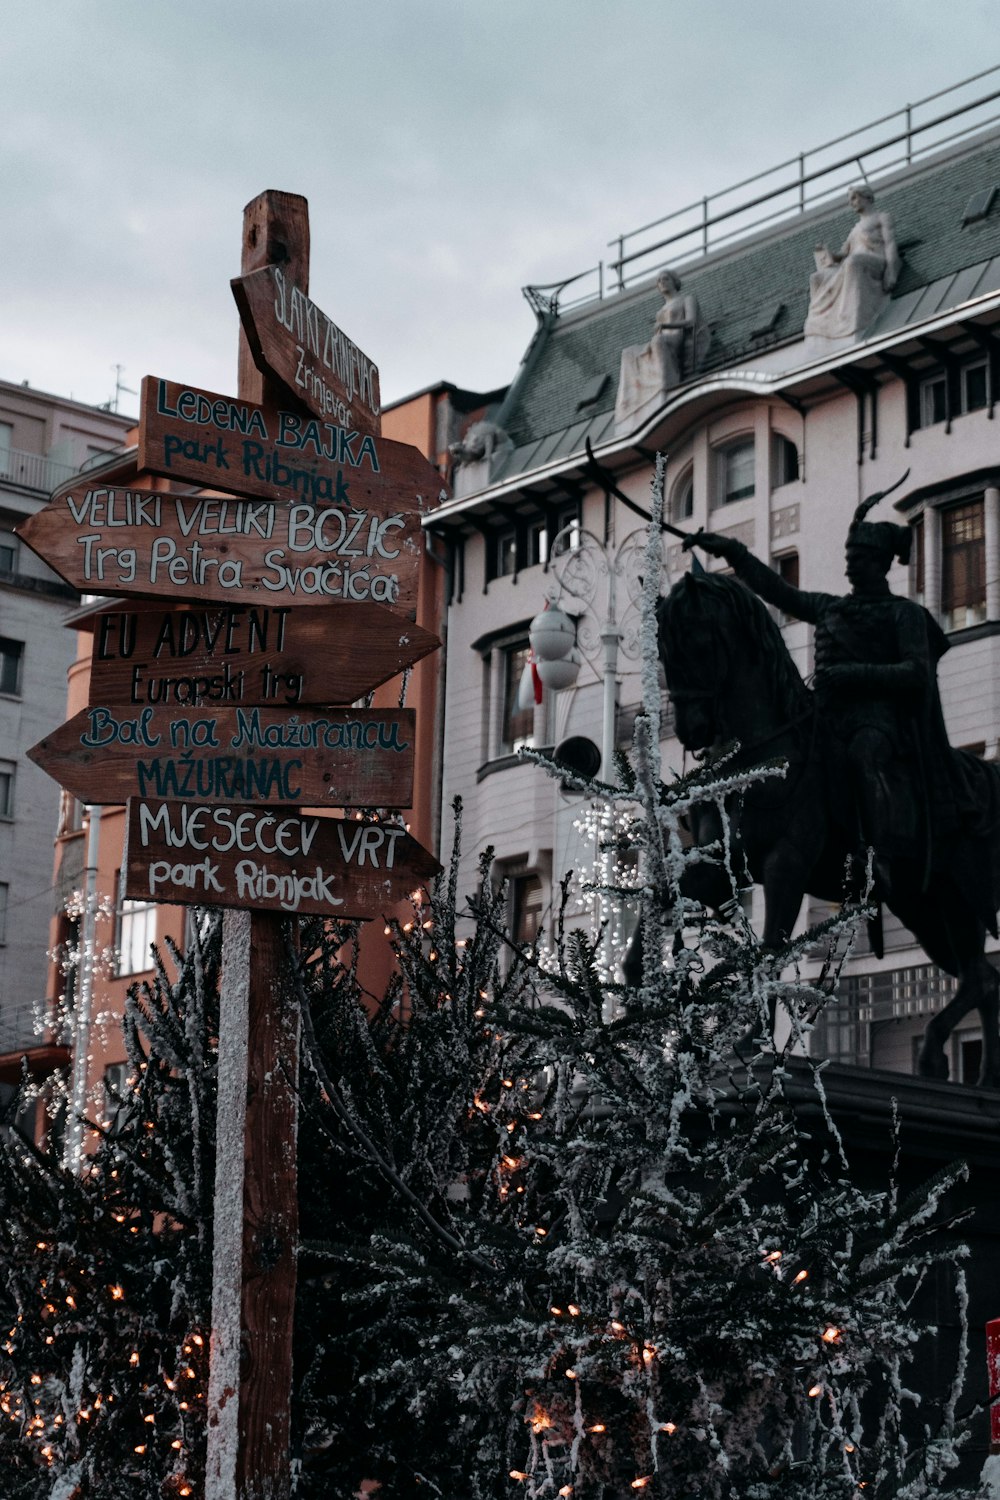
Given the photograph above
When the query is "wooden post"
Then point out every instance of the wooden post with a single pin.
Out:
(256, 1204)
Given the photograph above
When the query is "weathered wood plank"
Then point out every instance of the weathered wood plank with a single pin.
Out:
(295, 342)
(227, 443)
(283, 860)
(255, 654)
(147, 542)
(336, 758)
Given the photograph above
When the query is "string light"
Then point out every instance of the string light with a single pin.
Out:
(831, 1335)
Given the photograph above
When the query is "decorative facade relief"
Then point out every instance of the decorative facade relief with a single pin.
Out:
(648, 371)
(850, 286)
(784, 522)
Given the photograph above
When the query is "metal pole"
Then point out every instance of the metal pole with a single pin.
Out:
(73, 1151)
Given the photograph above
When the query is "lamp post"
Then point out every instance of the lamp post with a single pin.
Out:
(605, 580)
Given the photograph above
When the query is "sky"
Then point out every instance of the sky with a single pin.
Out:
(451, 151)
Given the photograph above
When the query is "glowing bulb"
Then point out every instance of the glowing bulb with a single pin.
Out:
(518, 1474)
(572, 1309)
(640, 1484)
(831, 1335)
(117, 1293)
(597, 1427)
(133, 1358)
(571, 1375)
(668, 1427)
(556, 1311)
(802, 1276)
(815, 1390)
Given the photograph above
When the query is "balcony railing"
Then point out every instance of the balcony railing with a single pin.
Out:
(32, 471)
(793, 186)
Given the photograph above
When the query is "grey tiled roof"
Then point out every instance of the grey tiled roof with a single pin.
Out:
(943, 263)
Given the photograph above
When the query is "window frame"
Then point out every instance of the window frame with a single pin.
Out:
(965, 594)
(723, 457)
(126, 942)
(8, 784)
(18, 658)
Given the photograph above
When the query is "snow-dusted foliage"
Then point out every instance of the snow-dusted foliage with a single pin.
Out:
(106, 1284)
(579, 1239)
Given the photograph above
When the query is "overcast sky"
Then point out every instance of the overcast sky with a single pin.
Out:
(451, 151)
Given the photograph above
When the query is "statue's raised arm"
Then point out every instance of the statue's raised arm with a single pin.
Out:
(758, 576)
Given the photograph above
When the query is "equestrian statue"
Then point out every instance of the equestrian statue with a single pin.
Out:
(874, 802)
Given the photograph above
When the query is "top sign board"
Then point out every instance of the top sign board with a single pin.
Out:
(296, 343)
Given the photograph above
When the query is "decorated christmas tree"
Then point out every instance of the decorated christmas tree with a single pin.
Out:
(560, 1236)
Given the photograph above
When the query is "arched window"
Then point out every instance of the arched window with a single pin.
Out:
(784, 461)
(682, 497)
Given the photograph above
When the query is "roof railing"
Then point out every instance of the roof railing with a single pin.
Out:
(711, 222)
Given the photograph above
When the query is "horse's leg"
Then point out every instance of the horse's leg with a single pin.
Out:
(977, 990)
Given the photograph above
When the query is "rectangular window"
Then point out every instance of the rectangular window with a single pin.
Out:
(567, 530)
(6, 789)
(538, 543)
(8, 552)
(116, 1092)
(506, 563)
(974, 386)
(525, 908)
(4, 893)
(6, 444)
(963, 565)
(735, 473)
(11, 656)
(933, 400)
(517, 724)
(136, 932)
(785, 460)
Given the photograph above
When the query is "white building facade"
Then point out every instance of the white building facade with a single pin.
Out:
(773, 436)
(43, 440)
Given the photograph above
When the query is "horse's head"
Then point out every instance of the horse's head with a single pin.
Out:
(691, 638)
(728, 672)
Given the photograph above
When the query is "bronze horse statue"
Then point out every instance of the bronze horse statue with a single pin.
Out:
(731, 679)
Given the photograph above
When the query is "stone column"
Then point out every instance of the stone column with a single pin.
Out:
(991, 532)
(932, 561)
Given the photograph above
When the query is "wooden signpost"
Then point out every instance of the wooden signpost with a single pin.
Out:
(254, 654)
(223, 548)
(296, 343)
(223, 443)
(210, 720)
(313, 758)
(278, 860)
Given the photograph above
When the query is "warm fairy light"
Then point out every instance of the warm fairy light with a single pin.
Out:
(649, 1353)
(556, 1311)
(36, 1380)
(185, 1490)
(41, 1245)
(177, 1443)
(540, 1420)
(518, 1474)
(640, 1484)
(540, 1231)
(117, 1293)
(773, 1257)
(184, 1405)
(427, 925)
(511, 1126)
(570, 1374)
(617, 1327)
(149, 1417)
(171, 1385)
(802, 1276)
(71, 1302)
(669, 1427)
(407, 926)
(831, 1335)
(848, 1447)
(133, 1358)
(536, 1114)
(189, 1373)
(387, 931)
(197, 1339)
(815, 1390)
(597, 1427)
(567, 1489)
(508, 1083)
(139, 1448)
(572, 1309)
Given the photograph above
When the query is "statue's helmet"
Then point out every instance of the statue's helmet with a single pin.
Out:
(883, 537)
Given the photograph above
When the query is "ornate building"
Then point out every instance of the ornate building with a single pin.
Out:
(808, 349)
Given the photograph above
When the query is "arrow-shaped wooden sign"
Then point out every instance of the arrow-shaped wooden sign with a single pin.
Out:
(132, 541)
(337, 758)
(225, 443)
(256, 654)
(293, 340)
(282, 860)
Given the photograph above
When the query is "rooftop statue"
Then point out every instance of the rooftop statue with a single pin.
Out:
(850, 286)
(648, 371)
(869, 765)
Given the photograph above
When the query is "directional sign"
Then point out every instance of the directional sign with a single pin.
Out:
(340, 758)
(224, 443)
(195, 853)
(331, 653)
(291, 339)
(131, 541)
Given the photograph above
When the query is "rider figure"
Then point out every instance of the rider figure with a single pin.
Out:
(879, 713)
